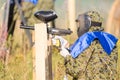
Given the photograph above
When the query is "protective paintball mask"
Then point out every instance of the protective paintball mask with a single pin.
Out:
(89, 21)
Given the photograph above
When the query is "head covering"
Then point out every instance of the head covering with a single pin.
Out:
(89, 21)
(96, 21)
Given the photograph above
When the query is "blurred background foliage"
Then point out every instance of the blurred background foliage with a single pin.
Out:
(101, 6)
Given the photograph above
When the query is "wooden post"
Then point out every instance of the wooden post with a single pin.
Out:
(41, 50)
(71, 16)
(33, 54)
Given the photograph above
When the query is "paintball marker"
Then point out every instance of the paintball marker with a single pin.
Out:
(47, 16)
(53, 31)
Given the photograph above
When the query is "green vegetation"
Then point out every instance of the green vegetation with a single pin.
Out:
(17, 68)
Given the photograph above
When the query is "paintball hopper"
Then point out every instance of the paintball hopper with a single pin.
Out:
(45, 16)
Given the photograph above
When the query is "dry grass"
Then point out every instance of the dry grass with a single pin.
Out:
(17, 68)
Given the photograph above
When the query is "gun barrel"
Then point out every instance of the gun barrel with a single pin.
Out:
(53, 31)
(56, 31)
(27, 27)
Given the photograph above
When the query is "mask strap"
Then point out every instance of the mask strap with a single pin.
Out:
(96, 23)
